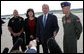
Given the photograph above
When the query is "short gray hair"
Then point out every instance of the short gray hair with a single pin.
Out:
(45, 5)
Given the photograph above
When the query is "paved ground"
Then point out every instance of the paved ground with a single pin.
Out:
(6, 40)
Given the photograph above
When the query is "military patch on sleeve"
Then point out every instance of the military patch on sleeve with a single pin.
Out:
(77, 20)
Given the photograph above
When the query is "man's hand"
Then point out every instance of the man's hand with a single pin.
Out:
(18, 34)
(31, 36)
(14, 34)
(54, 34)
(37, 39)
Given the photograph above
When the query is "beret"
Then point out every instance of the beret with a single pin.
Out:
(64, 4)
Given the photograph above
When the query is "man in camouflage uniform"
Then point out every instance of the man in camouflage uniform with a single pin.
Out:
(72, 29)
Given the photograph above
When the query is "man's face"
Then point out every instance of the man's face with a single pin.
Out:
(15, 13)
(66, 9)
(45, 9)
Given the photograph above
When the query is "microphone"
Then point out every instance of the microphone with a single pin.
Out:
(5, 50)
(17, 44)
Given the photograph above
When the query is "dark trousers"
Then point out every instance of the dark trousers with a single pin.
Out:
(45, 48)
(38, 44)
(22, 45)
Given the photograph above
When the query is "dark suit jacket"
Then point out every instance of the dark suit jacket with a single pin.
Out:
(51, 25)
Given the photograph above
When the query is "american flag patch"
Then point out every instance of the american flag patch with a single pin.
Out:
(77, 20)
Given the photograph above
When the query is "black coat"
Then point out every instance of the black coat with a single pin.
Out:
(27, 31)
(53, 46)
(51, 25)
(2, 22)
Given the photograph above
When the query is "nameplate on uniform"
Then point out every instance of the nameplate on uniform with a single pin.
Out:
(68, 21)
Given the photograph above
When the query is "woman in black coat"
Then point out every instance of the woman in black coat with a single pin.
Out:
(30, 26)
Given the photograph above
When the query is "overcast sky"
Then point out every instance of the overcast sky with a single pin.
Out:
(7, 7)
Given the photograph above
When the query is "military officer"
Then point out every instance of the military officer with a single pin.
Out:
(72, 29)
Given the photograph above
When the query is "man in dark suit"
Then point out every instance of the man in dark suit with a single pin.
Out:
(2, 22)
(47, 26)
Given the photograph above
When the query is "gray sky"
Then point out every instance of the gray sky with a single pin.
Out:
(7, 7)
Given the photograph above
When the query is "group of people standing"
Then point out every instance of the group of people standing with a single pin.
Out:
(45, 27)
(17, 26)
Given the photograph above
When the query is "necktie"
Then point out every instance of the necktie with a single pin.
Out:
(44, 21)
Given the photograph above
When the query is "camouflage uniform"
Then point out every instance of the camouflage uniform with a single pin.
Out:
(72, 30)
